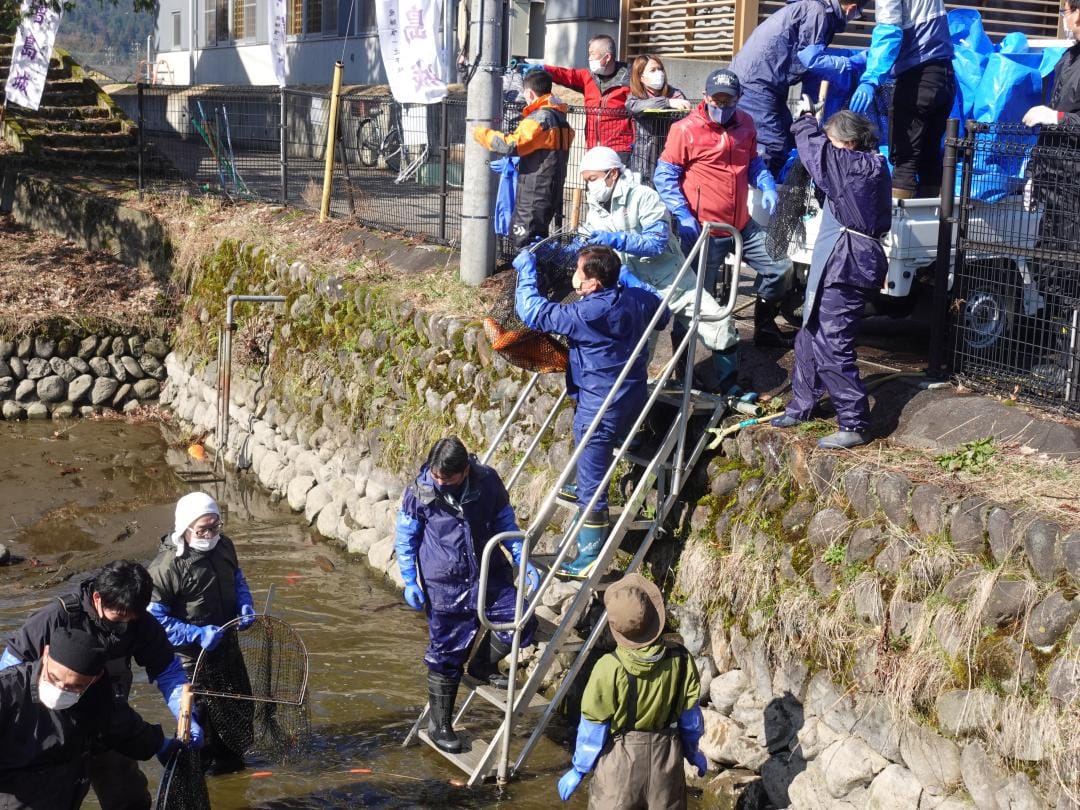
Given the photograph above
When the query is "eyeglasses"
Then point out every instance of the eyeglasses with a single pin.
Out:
(75, 690)
(727, 105)
(207, 531)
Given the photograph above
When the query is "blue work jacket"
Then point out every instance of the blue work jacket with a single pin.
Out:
(448, 537)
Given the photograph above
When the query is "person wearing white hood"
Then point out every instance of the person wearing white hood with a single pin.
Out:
(632, 219)
(198, 587)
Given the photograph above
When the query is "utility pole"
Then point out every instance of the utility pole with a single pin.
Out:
(483, 108)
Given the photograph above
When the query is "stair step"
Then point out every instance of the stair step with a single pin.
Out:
(472, 750)
(81, 140)
(699, 400)
(69, 113)
(497, 697)
(75, 155)
(91, 125)
(645, 461)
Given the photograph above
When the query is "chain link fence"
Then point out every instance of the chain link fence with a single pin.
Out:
(1015, 313)
(398, 168)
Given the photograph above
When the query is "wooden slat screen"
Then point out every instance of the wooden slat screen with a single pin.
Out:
(1035, 18)
(691, 29)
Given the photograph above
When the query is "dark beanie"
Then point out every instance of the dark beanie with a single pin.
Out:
(77, 650)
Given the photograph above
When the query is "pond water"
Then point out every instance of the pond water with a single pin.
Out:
(80, 494)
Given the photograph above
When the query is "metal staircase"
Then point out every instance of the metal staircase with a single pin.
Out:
(664, 470)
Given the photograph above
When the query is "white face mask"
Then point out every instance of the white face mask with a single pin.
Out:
(204, 544)
(53, 697)
(599, 191)
(654, 79)
(596, 65)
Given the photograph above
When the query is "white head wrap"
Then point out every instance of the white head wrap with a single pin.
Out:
(600, 159)
(189, 509)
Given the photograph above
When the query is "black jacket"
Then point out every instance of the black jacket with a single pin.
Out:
(196, 588)
(144, 639)
(43, 751)
(1053, 162)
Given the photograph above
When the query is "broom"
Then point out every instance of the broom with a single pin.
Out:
(792, 202)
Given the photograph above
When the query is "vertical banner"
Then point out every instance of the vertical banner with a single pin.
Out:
(31, 53)
(412, 54)
(278, 10)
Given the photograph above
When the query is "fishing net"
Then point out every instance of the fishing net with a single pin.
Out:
(556, 259)
(794, 199)
(252, 689)
(183, 786)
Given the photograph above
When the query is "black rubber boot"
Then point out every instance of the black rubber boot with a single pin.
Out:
(442, 692)
(484, 665)
(767, 335)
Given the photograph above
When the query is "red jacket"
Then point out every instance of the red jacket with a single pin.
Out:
(606, 121)
(715, 160)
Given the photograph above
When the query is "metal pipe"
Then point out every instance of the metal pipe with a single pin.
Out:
(444, 149)
(140, 140)
(482, 109)
(225, 367)
(331, 140)
(510, 418)
(283, 146)
(536, 440)
(939, 305)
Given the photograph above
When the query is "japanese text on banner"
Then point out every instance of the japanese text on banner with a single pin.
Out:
(412, 53)
(31, 54)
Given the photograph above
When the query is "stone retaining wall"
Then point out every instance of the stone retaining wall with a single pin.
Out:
(72, 373)
(864, 639)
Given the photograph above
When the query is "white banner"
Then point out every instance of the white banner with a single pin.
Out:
(412, 52)
(31, 54)
(278, 10)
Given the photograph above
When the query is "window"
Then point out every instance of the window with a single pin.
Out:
(176, 31)
(295, 22)
(221, 14)
(210, 27)
(365, 17)
(691, 29)
(243, 20)
(313, 22)
(329, 17)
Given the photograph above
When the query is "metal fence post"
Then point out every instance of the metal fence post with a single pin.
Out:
(139, 141)
(284, 148)
(940, 308)
(444, 149)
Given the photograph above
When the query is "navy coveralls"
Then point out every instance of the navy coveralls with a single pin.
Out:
(848, 264)
(449, 537)
(603, 328)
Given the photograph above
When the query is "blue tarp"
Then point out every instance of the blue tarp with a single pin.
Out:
(507, 169)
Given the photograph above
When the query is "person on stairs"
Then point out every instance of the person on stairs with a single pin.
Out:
(603, 328)
(198, 587)
(704, 175)
(639, 714)
(447, 516)
(630, 218)
(847, 265)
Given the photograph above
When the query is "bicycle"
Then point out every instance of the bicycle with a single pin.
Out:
(372, 144)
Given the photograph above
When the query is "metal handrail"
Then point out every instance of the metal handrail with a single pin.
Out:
(523, 614)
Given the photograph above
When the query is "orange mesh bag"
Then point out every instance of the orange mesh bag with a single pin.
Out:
(556, 259)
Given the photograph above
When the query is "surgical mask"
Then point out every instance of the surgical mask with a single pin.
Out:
(114, 627)
(720, 115)
(598, 191)
(596, 65)
(53, 697)
(654, 80)
(204, 544)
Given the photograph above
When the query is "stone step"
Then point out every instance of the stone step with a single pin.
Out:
(96, 126)
(70, 113)
(57, 70)
(55, 97)
(81, 140)
(72, 155)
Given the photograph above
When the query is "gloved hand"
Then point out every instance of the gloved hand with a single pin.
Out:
(532, 577)
(198, 736)
(769, 200)
(247, 616)
(569, 782)
(168, 747)
(697, 759)
(414, 596)
(807, 106)
(210, 636)
(1041, 116)
(525, 262)
(862, 99)
(688, 231)
(612, 239)
(858, 59)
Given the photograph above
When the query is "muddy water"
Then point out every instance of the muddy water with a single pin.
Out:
(77, 495)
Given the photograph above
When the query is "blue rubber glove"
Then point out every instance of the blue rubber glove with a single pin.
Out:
(8, 659)
(569, 782)
(245, 604)
(407, 534)
(168, 748)
(414, 596)
(862, 99)
(210, 636)
(198, 737)
(691, 727)
(612, 239)
(247, 616)
(688, 231)
(525, 262)
(769, 199)
(532, 575)
(858, 59)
